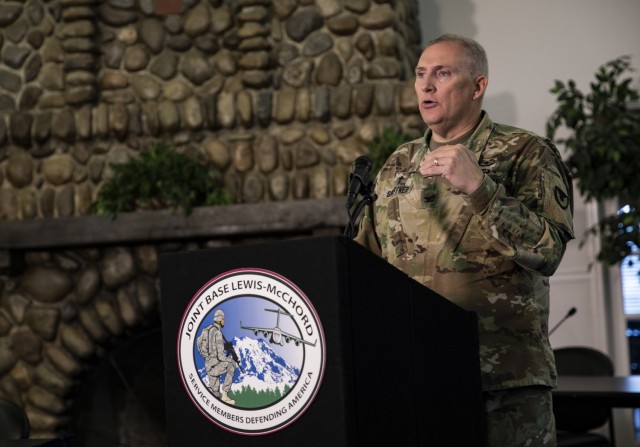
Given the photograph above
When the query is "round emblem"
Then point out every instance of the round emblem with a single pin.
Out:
(251, 351)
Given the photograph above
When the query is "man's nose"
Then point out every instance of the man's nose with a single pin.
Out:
(426, 85)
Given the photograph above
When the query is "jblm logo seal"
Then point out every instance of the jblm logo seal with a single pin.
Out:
(251, 351)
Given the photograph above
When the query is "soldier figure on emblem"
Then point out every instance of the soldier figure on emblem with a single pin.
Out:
(217, 362)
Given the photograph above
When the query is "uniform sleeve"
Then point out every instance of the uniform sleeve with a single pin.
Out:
(531, 220)
(219, 344)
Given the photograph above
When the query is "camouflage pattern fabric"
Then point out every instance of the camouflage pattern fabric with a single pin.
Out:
(520, 417)
(218, 363)
(490, 252)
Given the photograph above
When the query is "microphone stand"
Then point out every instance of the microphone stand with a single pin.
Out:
(368, 197)
(569, 314)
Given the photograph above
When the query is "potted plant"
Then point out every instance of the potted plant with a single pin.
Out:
(159, 178)
(603, 146)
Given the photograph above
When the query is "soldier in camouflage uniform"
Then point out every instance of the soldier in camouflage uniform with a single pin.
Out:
(480, 213)
(218, 362)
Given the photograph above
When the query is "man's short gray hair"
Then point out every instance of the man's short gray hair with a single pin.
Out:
(476, 54)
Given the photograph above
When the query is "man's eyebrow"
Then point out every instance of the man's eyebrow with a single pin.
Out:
(435, 67)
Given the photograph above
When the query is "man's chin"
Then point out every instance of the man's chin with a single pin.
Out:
(430, 114)
(431, 119)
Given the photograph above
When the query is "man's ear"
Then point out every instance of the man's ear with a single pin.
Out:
(480, 86)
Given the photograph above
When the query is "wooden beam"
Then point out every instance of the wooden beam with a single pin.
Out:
(294, 216)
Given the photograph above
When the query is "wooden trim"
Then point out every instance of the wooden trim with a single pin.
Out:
(218, 221)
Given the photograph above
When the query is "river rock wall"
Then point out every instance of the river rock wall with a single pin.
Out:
(279, 96)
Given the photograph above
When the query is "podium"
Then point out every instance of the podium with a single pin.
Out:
(400, 364)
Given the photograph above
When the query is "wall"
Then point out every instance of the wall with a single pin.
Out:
(530, 43)
(277, 96)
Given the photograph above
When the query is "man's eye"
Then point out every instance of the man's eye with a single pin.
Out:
(443, 73)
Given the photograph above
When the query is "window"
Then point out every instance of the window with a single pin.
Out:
(630, 276)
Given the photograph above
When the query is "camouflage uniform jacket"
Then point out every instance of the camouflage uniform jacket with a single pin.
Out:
(491, 251)
(216, 343)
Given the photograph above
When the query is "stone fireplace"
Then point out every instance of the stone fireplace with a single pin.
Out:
(80, 323)
(120, 400)
(278, 96)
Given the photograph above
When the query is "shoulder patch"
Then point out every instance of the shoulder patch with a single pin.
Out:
(561, 197)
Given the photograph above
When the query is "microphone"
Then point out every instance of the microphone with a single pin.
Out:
(569, 314)
(358, 178)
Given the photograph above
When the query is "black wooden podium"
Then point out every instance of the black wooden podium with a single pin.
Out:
(402, 362)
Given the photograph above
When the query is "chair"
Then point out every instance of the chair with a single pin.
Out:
(574, 424)
(14, 423)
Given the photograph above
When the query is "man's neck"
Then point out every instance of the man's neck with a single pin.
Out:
(461, 139)
(453, 136)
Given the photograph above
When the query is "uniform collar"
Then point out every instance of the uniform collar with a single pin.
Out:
(477, 140)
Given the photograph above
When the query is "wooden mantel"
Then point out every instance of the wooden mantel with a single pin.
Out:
(296, 216)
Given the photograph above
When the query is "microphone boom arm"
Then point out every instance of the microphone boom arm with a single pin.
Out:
(368, 197)
(359, 185)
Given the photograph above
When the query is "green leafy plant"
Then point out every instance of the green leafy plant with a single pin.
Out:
(604, 151)
(159, 178)
(383, 146)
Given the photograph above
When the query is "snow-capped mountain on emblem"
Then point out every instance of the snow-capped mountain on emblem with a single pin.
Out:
(261, 368)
